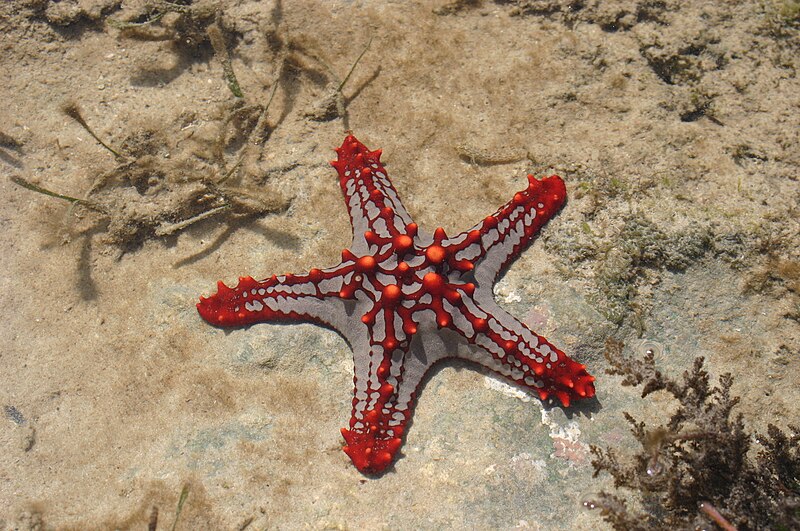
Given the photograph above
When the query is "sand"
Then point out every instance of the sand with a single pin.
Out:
(675, 125)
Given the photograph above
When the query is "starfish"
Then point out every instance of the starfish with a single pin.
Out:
(404, 299)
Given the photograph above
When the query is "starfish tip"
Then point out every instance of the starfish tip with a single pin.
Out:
(543, 394)
(563, 398)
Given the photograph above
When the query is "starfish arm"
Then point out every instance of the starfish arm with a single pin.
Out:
(497, 239)
(377, 424)
(518, 353)
(313, 297)
(386, 383)
(372, 201)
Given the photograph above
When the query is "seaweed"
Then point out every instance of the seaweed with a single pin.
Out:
(702, 468)
(456, 6)
(217, 39)
(10, 150)
(191, 26)
(152, 523)
(184, 23)
(156, 189)
(783, 17)
(628, 259)
(153, 193)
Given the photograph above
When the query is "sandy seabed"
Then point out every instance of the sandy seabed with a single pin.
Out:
(675, 125)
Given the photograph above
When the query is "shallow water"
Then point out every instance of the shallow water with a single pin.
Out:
(675, 129)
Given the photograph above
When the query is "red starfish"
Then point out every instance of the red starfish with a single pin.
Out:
(405, 299)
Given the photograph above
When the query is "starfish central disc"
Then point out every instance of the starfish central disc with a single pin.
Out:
(391, 294)
(366, 263)
(402, 242)
(436, 254)
(433, 283)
